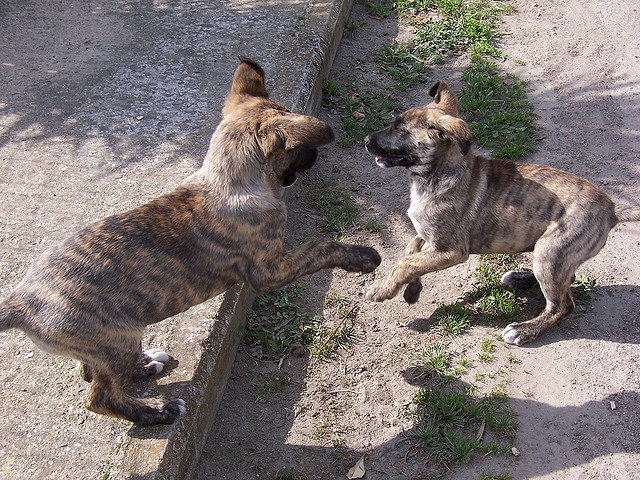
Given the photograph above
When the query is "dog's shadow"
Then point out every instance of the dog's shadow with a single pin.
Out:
(602, 313)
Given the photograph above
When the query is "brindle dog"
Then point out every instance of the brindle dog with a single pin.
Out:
(464, 204)
(91, 297)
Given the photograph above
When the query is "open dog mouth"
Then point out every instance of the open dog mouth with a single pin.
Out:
(386, 162)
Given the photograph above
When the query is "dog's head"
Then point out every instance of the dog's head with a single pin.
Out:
(423, 136)
(259, 131)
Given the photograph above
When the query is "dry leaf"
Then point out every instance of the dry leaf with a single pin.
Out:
(481, 431)
(357, 471)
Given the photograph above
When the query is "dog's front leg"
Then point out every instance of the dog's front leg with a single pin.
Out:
(271, 272)
(412, 267)
(413, 289)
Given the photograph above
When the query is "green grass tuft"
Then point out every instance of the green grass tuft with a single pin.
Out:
(447, 422)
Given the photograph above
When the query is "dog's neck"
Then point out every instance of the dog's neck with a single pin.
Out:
(235, 178)
(436, 179)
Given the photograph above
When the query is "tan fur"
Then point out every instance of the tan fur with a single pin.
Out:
(464, 204)
(91, 297)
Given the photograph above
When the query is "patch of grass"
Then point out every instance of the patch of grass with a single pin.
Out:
(372, 226)
(491, 268)
(495, 105)
(453, 319)
(265, 388)
(338, 208)
(496, 303)
(330, 92)
(364, 112)
(582, 287)
(350, 28)
(289, 473)
(341, 336)
(499, 114)
(487, 346)
(493, 301)
(433, 359)
(499, 476)
(107, 471)
(443, 27)
(405, 67)
(488, 302)
(447, 424)
(277, 325)
(379, 8)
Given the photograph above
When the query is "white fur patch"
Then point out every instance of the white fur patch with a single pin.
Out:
(156, 355)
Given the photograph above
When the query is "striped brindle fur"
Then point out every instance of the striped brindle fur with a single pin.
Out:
(463, 204)
(91, 297)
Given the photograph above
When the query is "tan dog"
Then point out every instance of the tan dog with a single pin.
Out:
(91, 297)
(464, 204)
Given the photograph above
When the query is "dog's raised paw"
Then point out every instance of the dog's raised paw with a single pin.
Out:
(362, 259)
(378, 293)
(511, 335)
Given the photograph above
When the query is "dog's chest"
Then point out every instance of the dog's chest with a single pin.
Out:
(419, 209)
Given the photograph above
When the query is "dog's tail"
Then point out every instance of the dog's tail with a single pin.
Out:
(627, 213)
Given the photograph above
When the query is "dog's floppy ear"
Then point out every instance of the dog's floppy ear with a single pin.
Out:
(457, 131)
(248, 81)
(290, 131)
(445, 98)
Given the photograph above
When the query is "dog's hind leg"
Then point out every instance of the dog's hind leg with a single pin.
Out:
(556, 257)
(107, 397)
(559, 305)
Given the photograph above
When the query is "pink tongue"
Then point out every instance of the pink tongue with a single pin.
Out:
(378, 158)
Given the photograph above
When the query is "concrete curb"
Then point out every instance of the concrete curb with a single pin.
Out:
(173, 453)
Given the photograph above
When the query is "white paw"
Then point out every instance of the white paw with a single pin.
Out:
(155, 366)
(511, 335)
(507, 278)
(157, 355)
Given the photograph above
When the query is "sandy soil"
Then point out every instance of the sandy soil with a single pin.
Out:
(582, 62)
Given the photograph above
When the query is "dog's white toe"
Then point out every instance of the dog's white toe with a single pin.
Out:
(155, 366)
(181, 407)
(157, 355)
(510, 335)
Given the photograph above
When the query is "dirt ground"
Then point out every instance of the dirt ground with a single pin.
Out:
(581, 60)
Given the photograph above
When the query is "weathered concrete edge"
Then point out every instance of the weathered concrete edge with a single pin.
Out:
(186, 441)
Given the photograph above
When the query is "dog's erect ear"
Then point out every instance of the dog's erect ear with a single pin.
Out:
(457, 131)
(445, 98)
(248, 81)
(290, 131)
